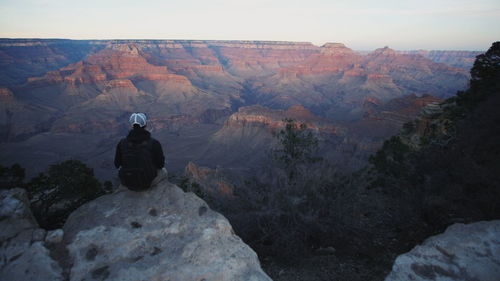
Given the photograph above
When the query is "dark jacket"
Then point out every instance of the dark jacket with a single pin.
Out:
(138, 135)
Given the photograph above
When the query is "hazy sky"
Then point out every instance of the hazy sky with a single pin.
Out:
(369, 24)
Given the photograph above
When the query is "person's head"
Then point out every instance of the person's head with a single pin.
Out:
(138, 120)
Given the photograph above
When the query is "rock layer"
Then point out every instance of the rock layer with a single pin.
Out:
(461, 59)
(187, 84)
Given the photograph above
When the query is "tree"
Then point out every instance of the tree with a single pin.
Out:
(485, 74)
(452, 176)
(390, 159)
(67, 186)
(289, 203)
(485, 77)
(297, 146)
(11, 177)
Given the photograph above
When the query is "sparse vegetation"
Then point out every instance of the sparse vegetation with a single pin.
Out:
(409, 193)
(390, 160)
(185, 184)
(453, 175)
(297, 146)
(12, 176)
(65, 187)
(272, 215)
(55, 194)
(290, 203)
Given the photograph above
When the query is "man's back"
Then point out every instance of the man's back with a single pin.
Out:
(138, 156)
(137, 136)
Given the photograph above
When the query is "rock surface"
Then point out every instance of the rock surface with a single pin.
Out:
(462, 252)
(160, 234)
(54, 236)
(22, 254)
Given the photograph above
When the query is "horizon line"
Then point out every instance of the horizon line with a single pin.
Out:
(237, 40)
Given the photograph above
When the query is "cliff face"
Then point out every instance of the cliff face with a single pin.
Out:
(386, 119)
(347, 143)
(24, 58)
(260, 116)
(255, 125)
(460, 59)
(191, 77)
(111, 81)
(415, 73)
(337, 78)
(86, 89)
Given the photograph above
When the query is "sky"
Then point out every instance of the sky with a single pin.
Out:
(360, 24)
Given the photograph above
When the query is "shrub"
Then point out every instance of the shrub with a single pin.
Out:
(11, 177)
(297, 146)
(188, 186)
(65, 187)
(271, 216)
(390, 159)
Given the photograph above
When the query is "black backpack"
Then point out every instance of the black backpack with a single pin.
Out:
(137, 171)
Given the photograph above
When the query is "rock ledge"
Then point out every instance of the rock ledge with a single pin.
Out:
(462, 252)
(160, 234)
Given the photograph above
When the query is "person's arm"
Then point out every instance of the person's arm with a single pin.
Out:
(158, 157)
(118, 156)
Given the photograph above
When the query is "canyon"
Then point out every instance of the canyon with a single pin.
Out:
(218, 107)
(214, 103)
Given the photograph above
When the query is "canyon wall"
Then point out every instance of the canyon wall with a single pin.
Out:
(462, 59)
(69, 93)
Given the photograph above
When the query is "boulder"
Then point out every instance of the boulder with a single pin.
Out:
(462, 252)
(159, 234)
(54, 236)
(23, 253)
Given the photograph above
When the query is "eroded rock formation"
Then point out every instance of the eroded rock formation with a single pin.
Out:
(461, 59)
(85, 90)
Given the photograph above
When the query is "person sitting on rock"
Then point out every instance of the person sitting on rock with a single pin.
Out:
(139, 157)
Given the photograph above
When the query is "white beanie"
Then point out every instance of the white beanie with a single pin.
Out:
(138, 118)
